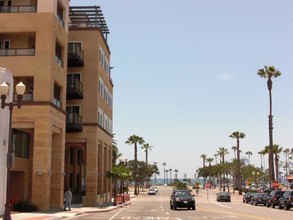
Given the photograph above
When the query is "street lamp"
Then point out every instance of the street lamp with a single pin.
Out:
(4, 88)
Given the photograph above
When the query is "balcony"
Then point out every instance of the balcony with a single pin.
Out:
(25, 98)
(73, 122)
(74, 88)
(17, 52)
(57, 103)
(18, 9)
(75, 55)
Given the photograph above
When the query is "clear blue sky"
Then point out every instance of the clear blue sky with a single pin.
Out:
(185, 76)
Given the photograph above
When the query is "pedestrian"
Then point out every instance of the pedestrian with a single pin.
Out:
(67, 200)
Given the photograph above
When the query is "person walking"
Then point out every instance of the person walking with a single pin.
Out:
(67, 200)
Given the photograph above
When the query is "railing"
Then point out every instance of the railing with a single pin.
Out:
(17, 52)
(57, 102)
(73, 118)
(74, 48)
(73, 82)
(58, 60)
(60, 21)
(18, 9)
(25, 97)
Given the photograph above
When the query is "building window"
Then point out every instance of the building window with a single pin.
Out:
(21, 143)
(60, 13)
(58, 54)
(57, 95)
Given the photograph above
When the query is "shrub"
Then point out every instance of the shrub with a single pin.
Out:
(24, 206)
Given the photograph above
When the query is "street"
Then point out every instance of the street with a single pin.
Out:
(146, 207)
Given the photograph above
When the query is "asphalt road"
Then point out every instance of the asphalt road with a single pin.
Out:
(147, 207)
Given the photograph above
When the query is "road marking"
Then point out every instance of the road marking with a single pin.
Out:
(116, 214)
(218, 204)
(235, 214)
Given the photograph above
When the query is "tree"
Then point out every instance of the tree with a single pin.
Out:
(234, 148)
(164, 165)
(222, 152)
(249, 153)
(135, 140)
(204, 157)
(210, 160)
(176, 171)
(270, 72)
(286, 152)
(276, 151)
(146, 148)
(115, 151)
(238, 135)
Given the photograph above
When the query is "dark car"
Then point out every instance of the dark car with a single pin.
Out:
(258, 198)
(247, 197)
(182, 199)
(273, 200)
(286, 201)
(223, 197)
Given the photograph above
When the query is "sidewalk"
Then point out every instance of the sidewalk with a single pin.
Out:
(76, 209)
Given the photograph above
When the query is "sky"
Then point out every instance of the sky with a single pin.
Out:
(185, 76)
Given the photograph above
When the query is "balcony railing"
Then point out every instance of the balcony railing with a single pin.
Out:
(18, 9)
(25, 97)
(59, 61)
(17, 52)
(75, 55)
(57, 102)
(73, 122)
(74, 88)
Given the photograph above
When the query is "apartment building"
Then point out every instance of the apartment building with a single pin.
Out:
(62, 133)
(89, 105)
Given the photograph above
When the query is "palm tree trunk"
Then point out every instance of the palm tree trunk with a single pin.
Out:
(238, 176)
(271, 156)
(135, 170)
(277, 166)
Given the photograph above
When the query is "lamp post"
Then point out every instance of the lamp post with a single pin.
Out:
(4, 88)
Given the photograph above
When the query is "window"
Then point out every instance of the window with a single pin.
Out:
(57, 95)
(58, 54)
(6, 44)
(21, 143)
(73, 109)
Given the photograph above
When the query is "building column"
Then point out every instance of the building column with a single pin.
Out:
(57, 170)
(100, 168)
(41, 178)
(91, 173)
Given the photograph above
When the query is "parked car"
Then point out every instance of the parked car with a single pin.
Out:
(247, 197)
(223, 197)
(286, 201)
(182, 199)
(258, 198)
(273, 200)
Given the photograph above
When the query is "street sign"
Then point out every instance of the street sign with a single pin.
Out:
(207, 185)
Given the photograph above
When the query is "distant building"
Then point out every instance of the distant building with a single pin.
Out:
(62, 135)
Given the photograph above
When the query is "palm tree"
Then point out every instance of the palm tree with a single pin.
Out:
(176, 171)
(249, 153)
(164, 165)
(166, 171)
(238, 135)
(261, 155)
(170, 170)
(286, 152)
(276, 151)
(216, 158)
(234, 148)
(135, 140)
(222, 152)
(269, 72)
(146, 148)
(204, 157)
(210, 160)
